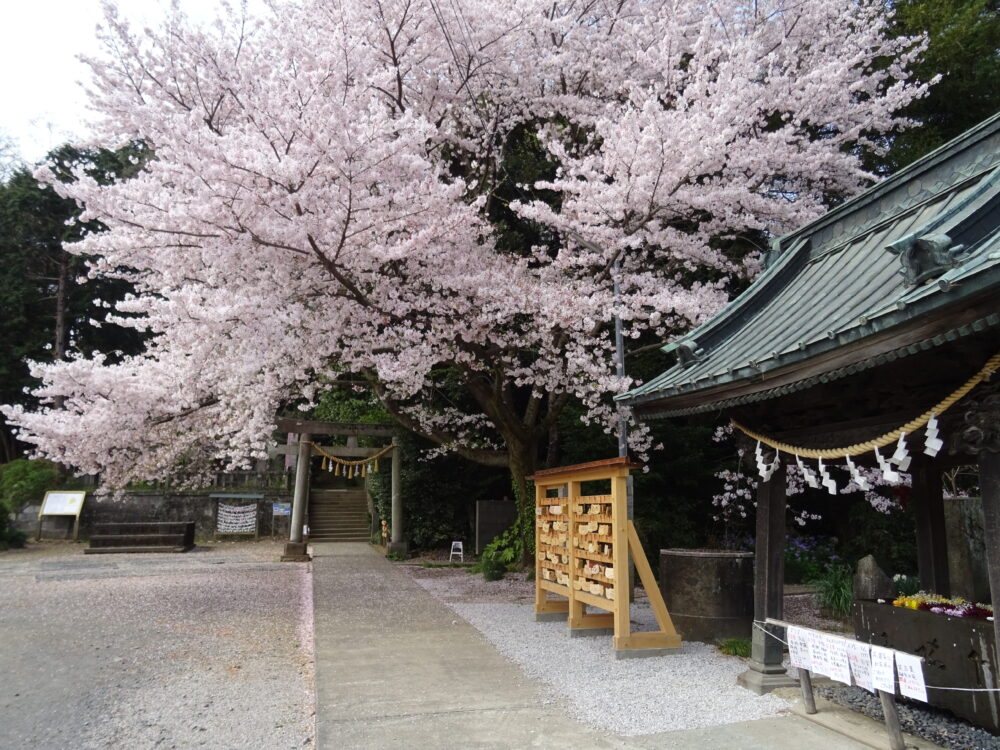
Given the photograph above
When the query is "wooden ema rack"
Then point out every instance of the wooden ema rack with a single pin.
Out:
(582, 549)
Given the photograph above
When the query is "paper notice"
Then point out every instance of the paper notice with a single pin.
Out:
(840, 666)
(819, 645)
(860, 657)
(883, 676)
(799, 653)
(911, 676)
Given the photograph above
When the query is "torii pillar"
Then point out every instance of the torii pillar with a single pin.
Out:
(295, 548)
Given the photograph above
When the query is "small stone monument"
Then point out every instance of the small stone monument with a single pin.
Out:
(871, 583)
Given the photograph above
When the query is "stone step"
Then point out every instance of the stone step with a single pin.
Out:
(313, 530)
(314, 538)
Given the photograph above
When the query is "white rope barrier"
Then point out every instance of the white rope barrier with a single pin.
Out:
(760, 626)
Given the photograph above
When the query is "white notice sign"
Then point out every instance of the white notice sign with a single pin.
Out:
(819, 645)
(236, 519)
(62, 504)
(840, 667)
(911, 676)
(883, 674)
(860, 656)
(799, 653)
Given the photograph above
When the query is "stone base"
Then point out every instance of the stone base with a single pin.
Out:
(644, 653)
(296, 552)
(398, 548)
(588, 632)
(762, 683)
(550, 616)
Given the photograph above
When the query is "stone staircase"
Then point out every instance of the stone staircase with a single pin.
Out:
(338, 516)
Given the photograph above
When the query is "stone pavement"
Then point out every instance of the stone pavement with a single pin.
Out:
(395, 668)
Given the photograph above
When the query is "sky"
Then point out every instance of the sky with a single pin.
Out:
(42, 104)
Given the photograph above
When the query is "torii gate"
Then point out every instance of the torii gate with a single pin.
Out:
(295, 548)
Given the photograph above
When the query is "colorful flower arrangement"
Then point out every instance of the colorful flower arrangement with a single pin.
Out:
(943, 606)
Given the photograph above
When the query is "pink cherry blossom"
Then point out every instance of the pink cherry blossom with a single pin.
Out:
(319, 200)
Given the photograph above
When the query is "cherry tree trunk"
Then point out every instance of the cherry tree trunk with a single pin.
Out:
(522, 465)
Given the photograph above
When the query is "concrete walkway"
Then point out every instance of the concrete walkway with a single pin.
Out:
(395, 668)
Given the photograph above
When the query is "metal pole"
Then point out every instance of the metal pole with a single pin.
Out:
(622, 421)
(301, 489)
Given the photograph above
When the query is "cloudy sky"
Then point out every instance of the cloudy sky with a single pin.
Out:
(41, 103)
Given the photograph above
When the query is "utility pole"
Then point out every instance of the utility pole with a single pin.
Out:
(622, 420)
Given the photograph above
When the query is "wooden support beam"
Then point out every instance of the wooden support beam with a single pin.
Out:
(766, 653)
(927, 496)
(989, 486)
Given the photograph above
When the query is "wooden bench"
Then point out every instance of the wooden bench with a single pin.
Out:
(146, 536)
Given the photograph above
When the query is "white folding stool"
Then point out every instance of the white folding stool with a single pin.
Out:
(456, 549)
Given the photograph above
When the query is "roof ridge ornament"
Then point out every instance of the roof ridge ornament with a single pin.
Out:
(926, 257)
(689, 353)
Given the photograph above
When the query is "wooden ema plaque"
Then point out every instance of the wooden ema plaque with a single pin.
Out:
(583, 544)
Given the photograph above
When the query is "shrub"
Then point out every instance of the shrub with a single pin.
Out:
(808, 558)
(24, 481)
(736, 647)
(906, 585)
(9, 536)
(492, 567)
(835, 590)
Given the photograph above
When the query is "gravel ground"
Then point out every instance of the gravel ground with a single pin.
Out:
(688, 690)
(940, 727)
(211, 648)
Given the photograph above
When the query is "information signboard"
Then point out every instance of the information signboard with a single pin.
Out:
(62, 503)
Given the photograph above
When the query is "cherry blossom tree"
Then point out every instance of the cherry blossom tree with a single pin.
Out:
(329, 195)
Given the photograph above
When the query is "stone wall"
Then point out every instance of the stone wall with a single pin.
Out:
(135, 507)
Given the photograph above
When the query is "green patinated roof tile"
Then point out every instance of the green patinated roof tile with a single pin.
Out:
(834, 282)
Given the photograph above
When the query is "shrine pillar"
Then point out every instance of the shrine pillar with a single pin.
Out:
(981, 437)
(766, 672)
(927, 495)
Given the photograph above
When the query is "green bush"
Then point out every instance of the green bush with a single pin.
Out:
(24, 481)
(9, 536)
(736, 647)
(807, 558)
(906, 585)
(502, 554)
(492, 567)
(835, 590)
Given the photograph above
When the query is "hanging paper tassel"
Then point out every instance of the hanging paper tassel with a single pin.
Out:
(828, 482)
(772, 467)
(807, 473)
(761, 466)
(857, 476)
(932, 443)
(330, 465)
(766, 470)
(902, 456)
(890, 476)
